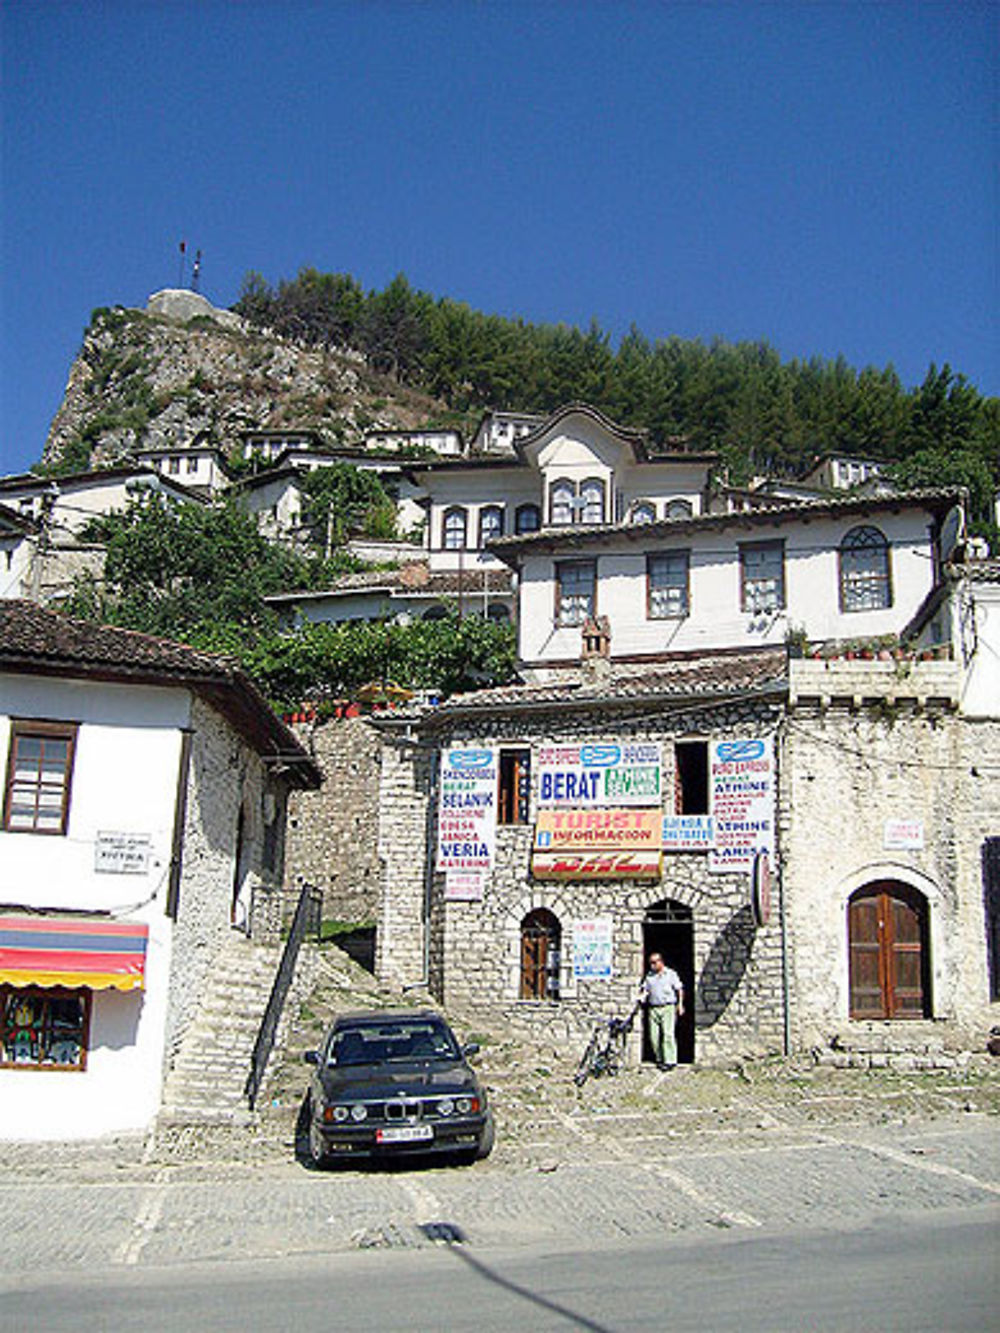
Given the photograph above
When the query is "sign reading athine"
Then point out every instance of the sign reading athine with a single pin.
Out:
(742, 788)
(600, 774)
(467, 811)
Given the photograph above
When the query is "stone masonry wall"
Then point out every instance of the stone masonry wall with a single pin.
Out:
(475, 948)
(225, 773)
(847, 770)
(332, 839)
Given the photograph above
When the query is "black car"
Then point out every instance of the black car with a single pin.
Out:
(395, 1082)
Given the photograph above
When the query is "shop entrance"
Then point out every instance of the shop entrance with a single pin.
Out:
(668, 929)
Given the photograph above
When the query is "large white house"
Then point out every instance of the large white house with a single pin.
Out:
(575, 469)
(143, 815)
(819, 570)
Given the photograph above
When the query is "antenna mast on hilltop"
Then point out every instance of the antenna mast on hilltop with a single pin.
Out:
(196, 271)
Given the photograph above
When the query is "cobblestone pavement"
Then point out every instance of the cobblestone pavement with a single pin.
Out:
(770, 1144)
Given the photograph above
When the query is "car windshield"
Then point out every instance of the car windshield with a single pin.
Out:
(376, 1043)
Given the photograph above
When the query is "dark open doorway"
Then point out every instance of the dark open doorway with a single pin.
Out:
(668, 929)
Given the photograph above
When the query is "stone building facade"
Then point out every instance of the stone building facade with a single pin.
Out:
(333, 833)
(471, 953)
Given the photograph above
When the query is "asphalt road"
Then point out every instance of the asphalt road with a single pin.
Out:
(913, 1272)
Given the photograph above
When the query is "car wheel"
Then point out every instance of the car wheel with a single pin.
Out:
(318, 1154)
(485, 1145)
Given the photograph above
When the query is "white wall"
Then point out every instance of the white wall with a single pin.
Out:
(124, 781)
(715, 620)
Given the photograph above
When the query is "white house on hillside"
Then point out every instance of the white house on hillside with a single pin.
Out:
(574, 470)
(143, 813)
(831, 570)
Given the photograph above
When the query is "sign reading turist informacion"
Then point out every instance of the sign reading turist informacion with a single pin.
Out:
(600, 774)
(467, 810)
(742, 790)
(592, 949)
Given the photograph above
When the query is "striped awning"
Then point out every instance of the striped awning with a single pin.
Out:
(71, 951)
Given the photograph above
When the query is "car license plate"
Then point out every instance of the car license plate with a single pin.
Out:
(404, 1134)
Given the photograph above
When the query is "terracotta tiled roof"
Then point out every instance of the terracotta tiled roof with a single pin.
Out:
(716, 675)
(36, 641)
(443, 583)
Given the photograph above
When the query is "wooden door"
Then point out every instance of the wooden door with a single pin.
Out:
(540, 956)
(888, 955)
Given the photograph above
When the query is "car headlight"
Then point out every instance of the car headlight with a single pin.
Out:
(466, 1104)
(445, 1106)
(359, 1112)
(335, 1113)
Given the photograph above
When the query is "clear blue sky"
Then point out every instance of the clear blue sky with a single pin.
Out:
(822, 175)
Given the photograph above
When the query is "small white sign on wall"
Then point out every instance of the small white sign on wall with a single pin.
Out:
(903, 835)
(122, 853)
(592, 949)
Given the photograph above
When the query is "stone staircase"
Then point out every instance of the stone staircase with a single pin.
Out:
(906, 1047)
(207, 1077)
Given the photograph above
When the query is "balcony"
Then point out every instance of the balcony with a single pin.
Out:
(857, 682)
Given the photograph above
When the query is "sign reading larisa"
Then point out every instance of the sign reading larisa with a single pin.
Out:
(467, 813)
(593, 775)
(742, 780)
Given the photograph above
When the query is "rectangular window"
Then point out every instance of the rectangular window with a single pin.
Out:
(515, 779)
(43, 1029)
(39, 770)
(576, 587)
(762, 566)
(192, 464)
(667, 585)
(175, 466)
(691, 778)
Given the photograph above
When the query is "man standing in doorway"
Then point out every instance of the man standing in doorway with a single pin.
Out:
(663, 996)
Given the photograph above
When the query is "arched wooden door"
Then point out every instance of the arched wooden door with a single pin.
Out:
(540, 940)
(888, 952)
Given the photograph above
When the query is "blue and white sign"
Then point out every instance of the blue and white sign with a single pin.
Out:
(467, 811)
(592, 949)
(688, 833)
(741, 777)
(600, 774)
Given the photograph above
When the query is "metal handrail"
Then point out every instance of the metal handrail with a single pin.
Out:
(308, 912)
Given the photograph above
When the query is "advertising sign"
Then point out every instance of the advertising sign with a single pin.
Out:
(592, 949)
(604, 830)
(741, 774)
(464, 886)
(903, 835)
(596, 865)
(594, 775)
(688, 833)
(122, 853)
(467, 810)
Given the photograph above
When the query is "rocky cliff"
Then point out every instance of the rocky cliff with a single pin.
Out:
(182, 370)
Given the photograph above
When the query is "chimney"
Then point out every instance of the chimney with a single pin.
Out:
(595, 651)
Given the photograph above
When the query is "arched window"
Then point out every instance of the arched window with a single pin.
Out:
(679, 509)
(643, 512)
(527, 518)
(490, 523)
(888, 953)
(864, 571)
(499, 612)
(562, 499)
(540, 949)
(435, 612)
(455, 522)
(592, 497)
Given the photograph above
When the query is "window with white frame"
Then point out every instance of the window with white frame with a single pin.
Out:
(679, 509)
(762, 569)
(570, 502)
(864, 571)
(490, 523)
(454, 528)
(667, 585)
(576, 588)
(643, 511)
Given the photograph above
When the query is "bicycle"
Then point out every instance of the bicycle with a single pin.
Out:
(605, 1051)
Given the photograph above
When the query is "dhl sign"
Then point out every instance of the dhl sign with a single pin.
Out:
(596, 865)
(599, 830)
